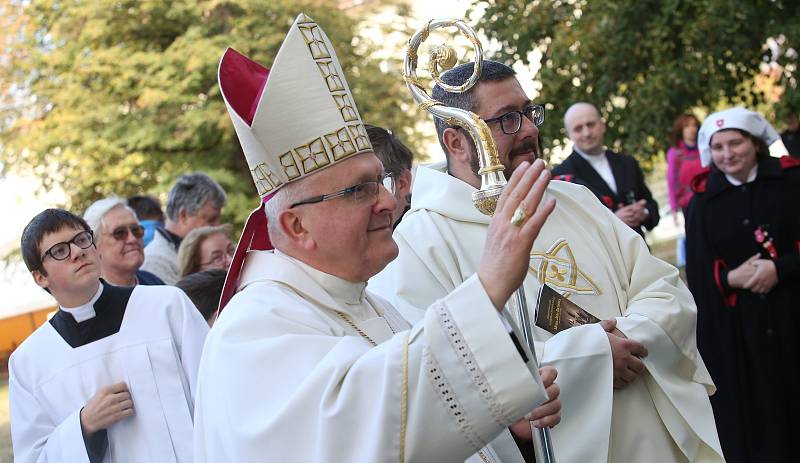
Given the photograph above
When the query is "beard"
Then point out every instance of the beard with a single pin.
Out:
(527, 146)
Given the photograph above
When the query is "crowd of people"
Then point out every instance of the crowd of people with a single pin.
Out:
(360, 319)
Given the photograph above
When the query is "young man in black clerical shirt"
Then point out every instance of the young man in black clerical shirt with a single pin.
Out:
(112, 375)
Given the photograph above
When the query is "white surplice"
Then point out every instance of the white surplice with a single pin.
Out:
(589, 255)
(284, 376)
(156, 352)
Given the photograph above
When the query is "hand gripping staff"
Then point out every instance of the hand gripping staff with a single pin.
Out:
(485, 199)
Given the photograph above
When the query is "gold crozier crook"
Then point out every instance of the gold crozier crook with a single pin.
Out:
(443, 58)
(491, 170)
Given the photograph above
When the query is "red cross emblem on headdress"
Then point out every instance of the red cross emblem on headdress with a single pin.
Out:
(720, 122)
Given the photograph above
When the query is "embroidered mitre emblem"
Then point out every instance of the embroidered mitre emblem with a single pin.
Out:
(557, 267)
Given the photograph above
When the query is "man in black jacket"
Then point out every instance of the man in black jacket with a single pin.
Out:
(615, 178)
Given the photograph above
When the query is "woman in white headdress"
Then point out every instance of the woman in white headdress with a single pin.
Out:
(743, 266)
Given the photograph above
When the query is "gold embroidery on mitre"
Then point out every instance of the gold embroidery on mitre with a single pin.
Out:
(317, 153)
(352, 138)
(289, 165)
(312, 155)
(359, 134)
(345, 106)
(265, 179)
(313, 38)
(341, 144)
(332, 79)
(558, 268)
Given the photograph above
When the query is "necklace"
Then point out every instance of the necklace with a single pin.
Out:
(352, 324)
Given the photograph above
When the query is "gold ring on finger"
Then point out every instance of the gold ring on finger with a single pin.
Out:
(519, 217)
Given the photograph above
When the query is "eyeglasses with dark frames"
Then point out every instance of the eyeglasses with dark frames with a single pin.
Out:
(121, 233)
(511, 122)
(357, 193)
(62, 250)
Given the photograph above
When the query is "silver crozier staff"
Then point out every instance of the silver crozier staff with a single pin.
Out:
(491, 170)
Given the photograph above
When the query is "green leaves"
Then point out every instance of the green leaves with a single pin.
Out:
(120, 96)
(643, 62)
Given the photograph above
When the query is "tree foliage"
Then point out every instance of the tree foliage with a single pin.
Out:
(120, 96)
(643, 62)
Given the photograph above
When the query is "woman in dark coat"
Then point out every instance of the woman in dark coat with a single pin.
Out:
(743, 266)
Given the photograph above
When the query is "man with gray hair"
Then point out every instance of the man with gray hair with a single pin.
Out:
(194, 201)
(118, 237)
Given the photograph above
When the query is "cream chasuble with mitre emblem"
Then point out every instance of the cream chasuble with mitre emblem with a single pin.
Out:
(590, 256)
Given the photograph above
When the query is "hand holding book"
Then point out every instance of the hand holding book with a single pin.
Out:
(556, 313)
(627, 355)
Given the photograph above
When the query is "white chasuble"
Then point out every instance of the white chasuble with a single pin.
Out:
(156, 352)
(590, 256)
(289, 373)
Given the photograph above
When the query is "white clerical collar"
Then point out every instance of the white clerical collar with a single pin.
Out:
(85, 311)
(590, 157)
(342, 291)
(750, 177)
(600, 164)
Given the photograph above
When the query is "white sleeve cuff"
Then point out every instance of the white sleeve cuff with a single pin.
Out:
(473, 349)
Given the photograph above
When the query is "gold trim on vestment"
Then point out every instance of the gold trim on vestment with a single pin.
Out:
(353, 325)
(558, 267)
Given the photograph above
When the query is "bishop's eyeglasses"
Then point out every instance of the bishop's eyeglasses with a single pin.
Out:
(359, 194)
(511, 122)
(62, 250)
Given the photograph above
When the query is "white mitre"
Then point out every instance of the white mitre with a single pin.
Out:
(291, 120)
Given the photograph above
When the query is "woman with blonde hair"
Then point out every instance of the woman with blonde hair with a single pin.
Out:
(205, 248)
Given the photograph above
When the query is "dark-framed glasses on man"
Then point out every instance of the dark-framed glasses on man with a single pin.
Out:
(511, 122)
(62, 250)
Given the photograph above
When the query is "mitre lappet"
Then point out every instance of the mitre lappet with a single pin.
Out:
(292, 120)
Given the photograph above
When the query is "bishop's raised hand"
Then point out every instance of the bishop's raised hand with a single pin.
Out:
(508, 245)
